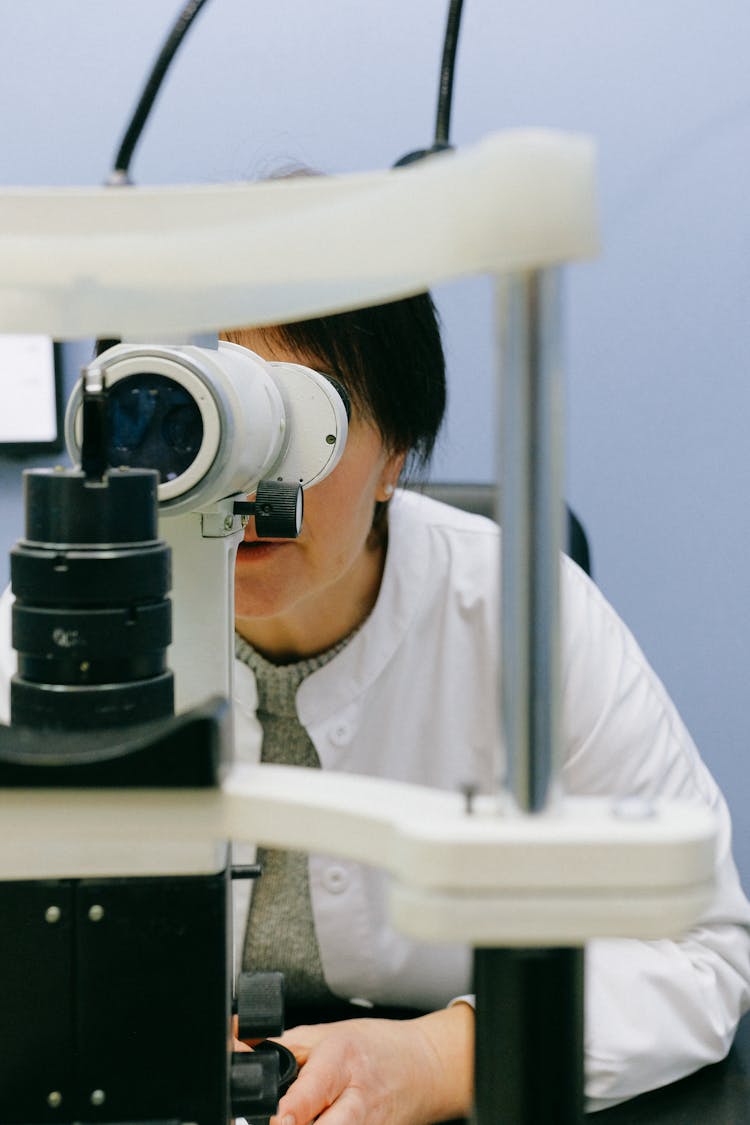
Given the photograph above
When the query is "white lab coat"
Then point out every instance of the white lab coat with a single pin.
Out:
(413, 697)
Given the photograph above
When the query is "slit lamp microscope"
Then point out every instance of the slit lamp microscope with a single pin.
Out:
(115, 811)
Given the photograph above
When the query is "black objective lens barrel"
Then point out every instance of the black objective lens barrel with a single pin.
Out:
(91, 618)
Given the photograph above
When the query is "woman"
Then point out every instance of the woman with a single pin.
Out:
(369, 645)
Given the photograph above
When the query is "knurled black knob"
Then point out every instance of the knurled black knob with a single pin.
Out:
(254, 1084)
(260, 1005)
(278, 510)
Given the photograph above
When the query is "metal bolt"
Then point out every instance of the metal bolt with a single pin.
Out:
(228, 522)
(96, 913)
(469, 790)
(84, 666)
(98, 1097)
(54, 1099)
(331, 439)
(52, 914)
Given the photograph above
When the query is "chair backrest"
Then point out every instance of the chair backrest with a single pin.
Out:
(482, 499)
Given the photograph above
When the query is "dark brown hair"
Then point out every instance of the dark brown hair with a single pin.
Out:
(390, 360)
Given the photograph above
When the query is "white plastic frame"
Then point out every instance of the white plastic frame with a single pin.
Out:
(151, 261)
(72, 265)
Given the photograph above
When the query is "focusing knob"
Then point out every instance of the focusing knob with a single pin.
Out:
(254, 1084)
(260, 1005)
(278, 510)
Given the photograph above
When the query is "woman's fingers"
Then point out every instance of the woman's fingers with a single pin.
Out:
(361, 1072)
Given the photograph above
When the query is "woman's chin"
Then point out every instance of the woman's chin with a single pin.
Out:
(267, 579)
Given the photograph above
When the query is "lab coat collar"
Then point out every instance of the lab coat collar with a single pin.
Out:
(405, 583)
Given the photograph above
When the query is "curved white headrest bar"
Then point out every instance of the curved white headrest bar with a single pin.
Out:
(112, 261)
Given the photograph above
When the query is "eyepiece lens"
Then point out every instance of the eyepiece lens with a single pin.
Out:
(183, 428)
(154, 424)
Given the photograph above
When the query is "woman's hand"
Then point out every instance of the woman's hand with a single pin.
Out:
(382, 1072)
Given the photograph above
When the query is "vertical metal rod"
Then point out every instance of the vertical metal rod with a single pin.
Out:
(529, 1047)
(530, 482)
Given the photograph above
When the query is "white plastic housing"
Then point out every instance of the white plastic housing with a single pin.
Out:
(260, 419)
(316, 427)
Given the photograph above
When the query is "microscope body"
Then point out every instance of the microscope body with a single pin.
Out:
(117, 975)
(116, 990)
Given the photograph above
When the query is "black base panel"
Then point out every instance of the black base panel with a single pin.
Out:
(116, 1001)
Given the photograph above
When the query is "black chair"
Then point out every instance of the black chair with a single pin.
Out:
(481, 498)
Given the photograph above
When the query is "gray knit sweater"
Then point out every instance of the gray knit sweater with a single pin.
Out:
(281, 931)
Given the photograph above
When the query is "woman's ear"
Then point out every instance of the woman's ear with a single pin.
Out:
(389, 476)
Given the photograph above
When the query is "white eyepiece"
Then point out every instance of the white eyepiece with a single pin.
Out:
(214, 422)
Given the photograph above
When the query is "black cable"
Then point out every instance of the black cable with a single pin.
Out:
(120, 174)
(445, 92)
(133, 132)
(445, 89)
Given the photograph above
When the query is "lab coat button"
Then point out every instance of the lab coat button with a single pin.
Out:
(335, 880)
(341, 733)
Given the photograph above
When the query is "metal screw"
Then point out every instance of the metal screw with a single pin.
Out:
(54, 1099)
(84, 666)
(98, 1097)
(331, 439)
(228, 521)
(96, 913)
(52, 914)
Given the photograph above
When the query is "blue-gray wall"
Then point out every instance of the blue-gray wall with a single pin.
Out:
(658, 327)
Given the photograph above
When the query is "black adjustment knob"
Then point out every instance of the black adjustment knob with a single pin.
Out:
(260, 1005)
(278, 510)
(254, 1084)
